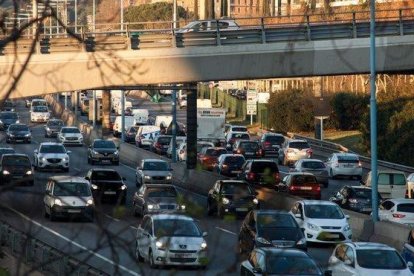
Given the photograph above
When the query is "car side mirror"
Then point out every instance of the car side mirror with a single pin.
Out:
(87, 178)
(257, 270)
(205, 234)
(347, 217)
(68, 152)
(410, 264)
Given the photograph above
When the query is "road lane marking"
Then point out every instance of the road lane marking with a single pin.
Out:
(226, 231)
(108, 216)
(99, 256)
(77, 169)
(133, 227)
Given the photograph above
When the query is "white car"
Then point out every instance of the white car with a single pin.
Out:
(209, 26)
(367, 259)
(39, 113)
(399, 210)
(51, 156)
(168, 239)
(410, 185)
(344, 164)
(70, 136)
(322, 221)
(182, 152)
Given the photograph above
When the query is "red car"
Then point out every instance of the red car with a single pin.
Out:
(208, 157)
(301, 184)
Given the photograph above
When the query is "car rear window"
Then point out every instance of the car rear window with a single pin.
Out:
(242, 136)
(379, 259)
(261, 167)
(241, 129)
(234, 160)
(215, 152)
(291, 265)
(274, 139)
(299, 145)
(348, 159)
(313, 165)
(249, 146)
(16, 161)
(304, 179)
(406, 207)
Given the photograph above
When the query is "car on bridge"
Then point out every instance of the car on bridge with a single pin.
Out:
(51, 155)
(130, 134)
(103, 151)
(18, 133)
(16, 169)
(70, 136)
(153, 171)
(7, 105)
(6, 151)
(53, 127)
(160, 144)
(7, 118)
(171, 239)
(107, 185)
(301, 184)
(178, 141)
(157, 198)
(209, 26)
(397, 210)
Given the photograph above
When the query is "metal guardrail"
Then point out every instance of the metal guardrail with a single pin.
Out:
(329, 148)
(41, 256)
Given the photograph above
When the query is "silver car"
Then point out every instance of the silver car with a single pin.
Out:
(344, 164)
(294, 150)
(153, 171)
(314, 166)
(157, 198)
(51, 155)
(70, 136)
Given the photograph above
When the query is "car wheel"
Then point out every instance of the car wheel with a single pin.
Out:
(46, 215)
(52, 215)
(220, 212)
(137, 254)
(151, 260)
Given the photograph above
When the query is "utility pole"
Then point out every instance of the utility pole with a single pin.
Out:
(122, 14)
(94, 109)
(174, 125)
(175, 14)
(123, 116)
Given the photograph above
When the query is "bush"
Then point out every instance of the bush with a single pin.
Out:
(291, 111)
(348, 109)
(160, 11)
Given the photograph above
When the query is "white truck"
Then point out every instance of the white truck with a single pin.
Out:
(204, 103)
(140, 116)
(163, 120)
(210, 123)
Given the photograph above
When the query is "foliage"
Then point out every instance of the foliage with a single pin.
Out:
(348, 109)
(291, 110)
(160, 11)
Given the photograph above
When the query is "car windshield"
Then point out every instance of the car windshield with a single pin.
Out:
(162, 192)
(362, 193)
(8, 115)
(106, 175)
(264, 167)
(175, 228)
(241, 189)
(379, 259)
(249, 146)
(55, 123)
(52, 149)
(406, 207)
(215, 152)
(275, 220)
(239, 160)
(40, 108)
(323, 211)
(275, 139)
(70, 130)
(72, 189)
(299, 145)
(18, 128)
(304, 179)
(156, 166)
(5, 151)
(313, 165)
(241, 129)
(291, 265)
(16, 161)
(104, 145)
(348, 159)
(241, 136)
(39, 103)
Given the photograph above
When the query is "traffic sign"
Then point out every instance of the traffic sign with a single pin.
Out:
(251, 102)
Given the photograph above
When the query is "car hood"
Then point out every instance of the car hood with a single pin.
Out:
(280, 233)
(157, 173)
(53, 155)
(108, 183)
(162, 200)
(71, 134)
(182, 243)
(328, 222)
(18, 132)
(74, 200)
(9, 121)
(383, 272)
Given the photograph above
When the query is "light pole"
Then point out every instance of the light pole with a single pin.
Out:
(122, 15)
(175, 14)
(321, 118)
(94, 14)
(174, 126)
(373, 114)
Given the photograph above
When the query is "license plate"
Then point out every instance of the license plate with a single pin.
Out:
(348, 165)
(241, 209)
(305, 188)
(366, 209)
(165, 147)
(274, 146)
(74, 211)
(249, 153)
(235, 172)
(106, 161)
(183, 255)
(17, 176)
(332, 236)
(110, 193)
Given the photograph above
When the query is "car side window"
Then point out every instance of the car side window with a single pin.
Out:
(300, 209)
(340, 253)
(387, 205)
(349, 256)
(253, 259)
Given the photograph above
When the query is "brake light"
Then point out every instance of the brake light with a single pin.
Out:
(204, 158)
(359, 164)
(396, 215)
(293, 188)
(238, 151)
(309, 152)
(157, 145)
(317, 188)
(276, 176)
(267, 144)
(250, 175)
(224, 166)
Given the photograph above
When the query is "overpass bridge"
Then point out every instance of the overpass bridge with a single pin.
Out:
(145, 57)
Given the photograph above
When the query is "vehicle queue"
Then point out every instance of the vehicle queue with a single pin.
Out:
(167, 236)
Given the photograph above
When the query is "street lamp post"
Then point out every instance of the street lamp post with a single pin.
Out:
(174, 127)
(94, 14)
(175, 14)
(122, 15)
(373, 114)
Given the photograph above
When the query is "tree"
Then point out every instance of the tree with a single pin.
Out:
(160, 11)
(348, 109)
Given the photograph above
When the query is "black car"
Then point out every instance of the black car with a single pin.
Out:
(270, 228)
(103, 151)
(7, 118)
(6, 151)
(107, 184)
(261, 172)
(7, 106)
(230, 164)
(16, 169)
(130, 134)
(161, 144)
(270, 144)
(249, 149)
(280, 261)
(53, 127)
(18, 133)
(231, 197)
(355, 198)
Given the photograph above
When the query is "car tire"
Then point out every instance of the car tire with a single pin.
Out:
(151, 260)
(220, 212)
(137, 254)
(30, 183)
(45, 214)
(52, 215)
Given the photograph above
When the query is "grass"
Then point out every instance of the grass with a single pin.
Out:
(349, 139)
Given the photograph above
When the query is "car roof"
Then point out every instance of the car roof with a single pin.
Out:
(19, 124)
(3, 148)
(70, 127)
(262, 160)
(154, 160)
(311, 160)
(230, 181)
(68, 178)
(15, 154)
(273, 134)
(401, 200)
(285, 252)
(369, 245)
(318, 202)
(238, 132)
(301, 173)
(345, 154)
(51, 143)
(102, 140)
(271, 211)
(171, 216)
(159, 186)
(360, 187)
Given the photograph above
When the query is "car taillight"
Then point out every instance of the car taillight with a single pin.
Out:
(250, 175)
(157, 145)
(267, 144)
(396, 215)
(359, 164)
(238, 151)
(293, 188)
(224, 166)
(309, 152)
(259, 152)
(276, 176)
(317, 188)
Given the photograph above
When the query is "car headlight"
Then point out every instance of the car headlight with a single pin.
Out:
(255, 201)
(203, 245)
(94, 187)
(147, 177)
(95, 152)
(27, 135)
(262, 240)
(17, 121)
(312, 226)
(66, 158)
(225, 200)
(5, 172)
(347, 227)
(153, 206)
(43, 159)
(160, 245)
(29, 172)
(301, 241)
(58, 202)
(1, 121)
(169, 177)
(182, 207)
(47, 128)
(116, 152)
(11, 135)
(123, 187)
(89, 202)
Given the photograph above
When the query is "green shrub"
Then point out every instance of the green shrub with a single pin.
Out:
(348, 109)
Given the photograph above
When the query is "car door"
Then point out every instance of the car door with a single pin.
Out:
(348, 267)
(384, 212)
(384, 185)
(144, 237)
(398, 185)
(139, 199)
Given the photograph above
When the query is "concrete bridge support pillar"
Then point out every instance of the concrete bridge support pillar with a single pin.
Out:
(106, 111)
(192, 127)
(75, 100)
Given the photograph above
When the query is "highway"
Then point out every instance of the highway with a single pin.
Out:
(110, 239)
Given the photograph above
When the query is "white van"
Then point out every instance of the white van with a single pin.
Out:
(36, 102)
(146, 135)
(140, 116)
(391, 184)
(129, 121)
(118, 108)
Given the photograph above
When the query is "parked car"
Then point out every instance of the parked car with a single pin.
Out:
(231, 197)
(344, 164)
(315, 167)
(6, 151)
(67, 196)
(53, 127)
(355, 198)
(171, 239)
(16, 169)
(322, 221)
(39, 113)
(301, 184)
(157, 198)
(51, 155)
(208, 157)
(261, 172)
(391, 184)
(107, 184)
(70, 136)
(18, 133)
(367, 258)
(153, 171)
(130, 134)
(160, 144)
(398, 210)
(178, 141)
(103, 151)
(270, 144)
(293, 150)
(280, 261)
(7, 118)
(230, 164)
(270, 228)
(249, 149)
